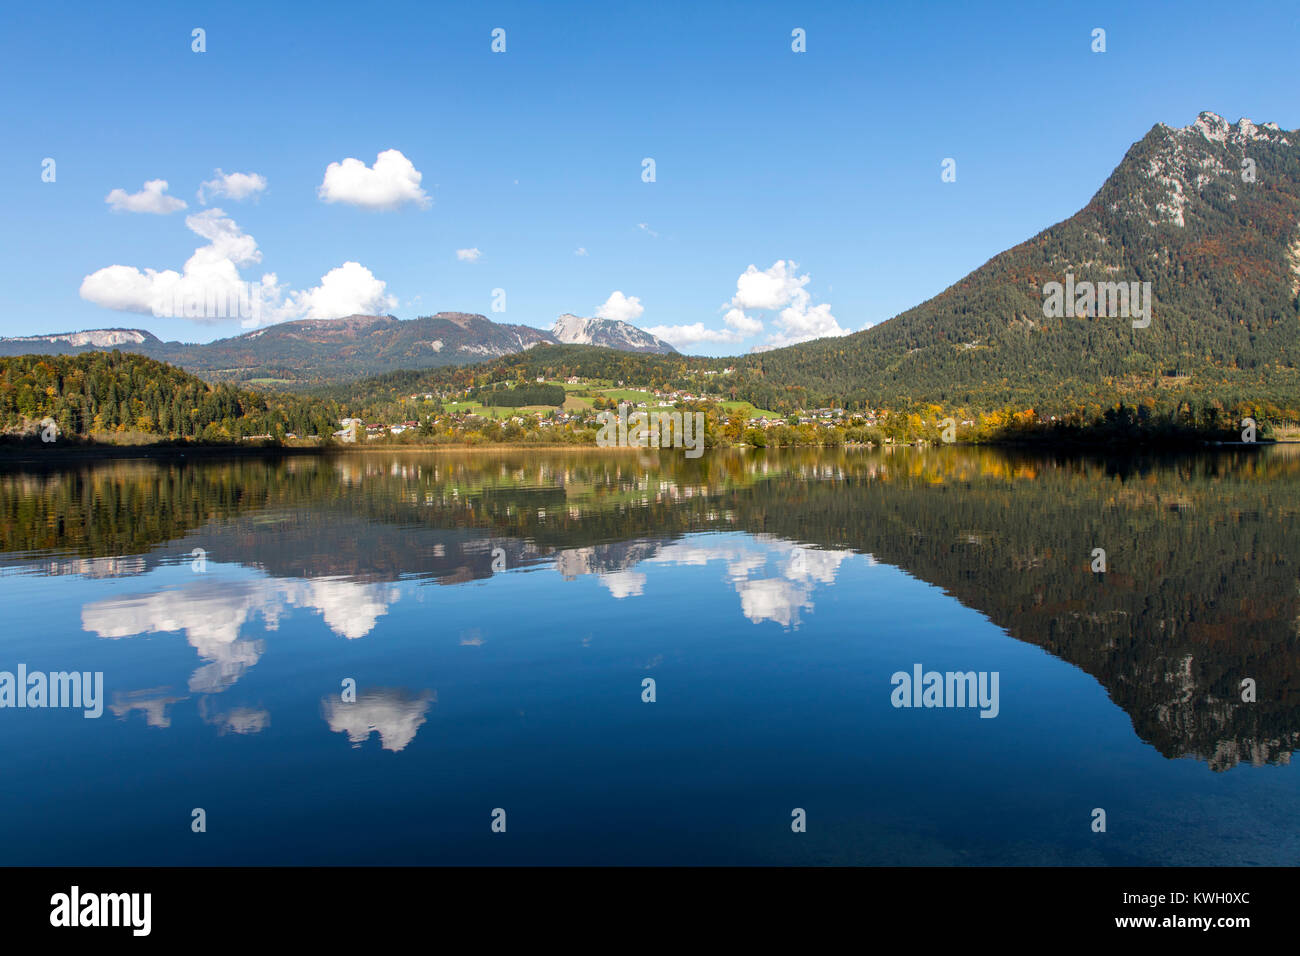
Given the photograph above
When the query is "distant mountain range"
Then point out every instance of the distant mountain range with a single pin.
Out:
(313, 350)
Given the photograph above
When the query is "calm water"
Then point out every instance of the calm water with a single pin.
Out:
(499, 614)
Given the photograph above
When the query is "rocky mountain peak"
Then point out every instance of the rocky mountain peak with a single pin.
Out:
(612, 333)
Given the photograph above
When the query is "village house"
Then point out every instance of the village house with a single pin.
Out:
(348, 432)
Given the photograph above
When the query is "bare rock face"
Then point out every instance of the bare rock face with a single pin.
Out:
(92, 338)
(610, 333)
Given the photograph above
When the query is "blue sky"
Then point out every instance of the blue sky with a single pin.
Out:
(828, 159)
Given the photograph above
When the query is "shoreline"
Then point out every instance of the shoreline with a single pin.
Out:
(28, 455)
(67, 453)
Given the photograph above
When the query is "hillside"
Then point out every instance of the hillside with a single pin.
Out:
(1222, 256)
(118, 395)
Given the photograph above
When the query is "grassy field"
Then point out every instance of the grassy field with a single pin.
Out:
(462, 408)
(748, 410)
(627, 394)
(496, 411)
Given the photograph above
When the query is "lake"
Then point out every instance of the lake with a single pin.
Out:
(633, 658)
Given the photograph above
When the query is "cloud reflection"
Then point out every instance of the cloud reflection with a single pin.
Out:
(395, 715)
(212, 612)
(153, 702)
(776, 597)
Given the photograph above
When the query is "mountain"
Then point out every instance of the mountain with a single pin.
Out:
(318, 349)
(610, 333)
(1208, 214)
(91, 339)
(310, 350)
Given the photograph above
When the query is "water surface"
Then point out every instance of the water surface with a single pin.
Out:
(500, 613)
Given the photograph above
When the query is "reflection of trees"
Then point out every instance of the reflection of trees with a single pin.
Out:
(1201, 589)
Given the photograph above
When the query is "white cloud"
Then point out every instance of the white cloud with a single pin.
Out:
(802, 325)
(645, 227)
(683, 336)
(125, 288)
(743, 324)
(227, 240)
(619, 306)
(236, 186)
(580, 251)
(391, 182)
(212, 270)
(469, 255)
(349, 289)
(212, 274)
(780, 287)
(770, 288)
(152, 199)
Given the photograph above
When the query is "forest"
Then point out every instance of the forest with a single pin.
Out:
(122, 397)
